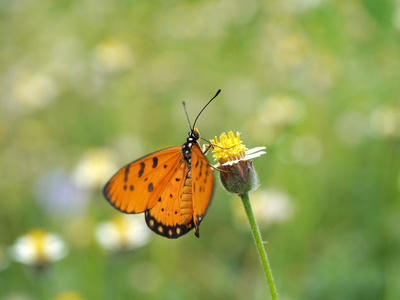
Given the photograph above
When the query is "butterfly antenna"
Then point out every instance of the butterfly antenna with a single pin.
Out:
(187, 116)
(205, 107)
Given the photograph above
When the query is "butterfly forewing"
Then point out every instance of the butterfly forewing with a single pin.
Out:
(203, 184)
(137, 186)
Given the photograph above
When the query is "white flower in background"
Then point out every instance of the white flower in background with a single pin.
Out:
(38, 248)
(112, 56)
(385, 122)
(270, 207)
(122, 233)
(351, 128)
(33, 89)
(94, 168)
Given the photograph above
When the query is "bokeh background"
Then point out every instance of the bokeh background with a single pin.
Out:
(88, 86)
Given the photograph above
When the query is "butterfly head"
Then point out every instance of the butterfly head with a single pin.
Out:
(195, 134)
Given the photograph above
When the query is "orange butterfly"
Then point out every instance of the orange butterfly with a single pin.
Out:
(173, 186)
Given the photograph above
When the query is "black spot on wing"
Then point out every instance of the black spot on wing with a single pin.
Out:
(201, 168)
(142, 165)
(150, 187)
(126, 173)
(171, 232)
(155, 162)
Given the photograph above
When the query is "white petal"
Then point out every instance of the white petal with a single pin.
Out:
(24, 250)
(247, 157)
(230, 163)
(107, 235)
(254, 155)
(250, 151)
(54, 247)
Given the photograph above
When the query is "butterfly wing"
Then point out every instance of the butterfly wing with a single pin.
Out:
(173, 194)
(137, 186)
(202, 185)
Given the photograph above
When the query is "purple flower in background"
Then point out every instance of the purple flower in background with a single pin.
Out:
(59, 195)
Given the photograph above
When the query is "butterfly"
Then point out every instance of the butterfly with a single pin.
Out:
(173, 186)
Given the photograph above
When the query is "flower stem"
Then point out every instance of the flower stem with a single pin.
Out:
(259, 244)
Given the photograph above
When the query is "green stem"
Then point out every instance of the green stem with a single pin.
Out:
(260, 246)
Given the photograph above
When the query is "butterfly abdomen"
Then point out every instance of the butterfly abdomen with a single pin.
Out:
(187, 200)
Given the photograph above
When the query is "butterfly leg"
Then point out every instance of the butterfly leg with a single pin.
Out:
(206, 148)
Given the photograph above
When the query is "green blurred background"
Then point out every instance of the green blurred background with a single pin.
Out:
(88, 86)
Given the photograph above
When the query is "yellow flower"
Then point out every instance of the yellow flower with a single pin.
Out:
(237, 174)
(230, 149)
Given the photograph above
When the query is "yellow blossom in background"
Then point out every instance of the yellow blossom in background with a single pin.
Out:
(112, 56)
(69, 295)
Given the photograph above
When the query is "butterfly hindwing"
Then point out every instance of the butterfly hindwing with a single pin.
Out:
(165, 217)
(203, 185)
(137, 186)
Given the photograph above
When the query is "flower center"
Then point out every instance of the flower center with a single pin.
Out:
(228, 148)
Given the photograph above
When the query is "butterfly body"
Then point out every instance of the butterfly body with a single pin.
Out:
(173, 187)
